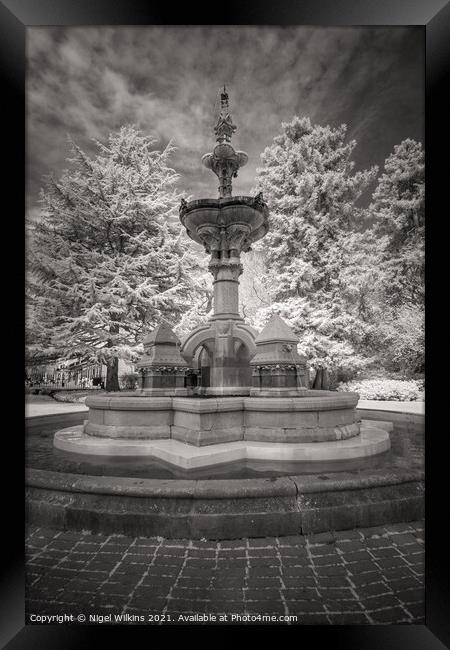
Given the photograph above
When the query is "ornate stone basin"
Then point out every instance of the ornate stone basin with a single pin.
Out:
(226, 224)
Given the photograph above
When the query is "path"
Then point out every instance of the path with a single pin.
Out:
(365, 576)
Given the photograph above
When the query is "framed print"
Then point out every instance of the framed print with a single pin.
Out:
(223, 340)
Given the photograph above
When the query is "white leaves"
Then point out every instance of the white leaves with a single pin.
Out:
(106, 250)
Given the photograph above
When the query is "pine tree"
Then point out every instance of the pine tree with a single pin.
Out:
(310, 184)
(398, 211)
(107, 257)
(398, 237)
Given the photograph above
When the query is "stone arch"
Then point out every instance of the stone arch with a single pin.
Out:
(247, 336)
(203, 333)
(194, 339)
(207, 345)
(204, 364)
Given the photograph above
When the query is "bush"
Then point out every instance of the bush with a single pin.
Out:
(129, 380)
(386, 389)
(72, 396)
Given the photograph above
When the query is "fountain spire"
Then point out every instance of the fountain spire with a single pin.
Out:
(224, 161)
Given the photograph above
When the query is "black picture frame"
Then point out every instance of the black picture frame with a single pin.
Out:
(15, 17)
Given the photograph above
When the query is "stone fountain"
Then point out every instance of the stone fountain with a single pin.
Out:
(225, 397)
(258, 404)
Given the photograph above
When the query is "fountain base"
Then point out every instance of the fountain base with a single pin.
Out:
(371, 441)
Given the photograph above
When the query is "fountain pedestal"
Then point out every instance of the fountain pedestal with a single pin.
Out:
(226, 227)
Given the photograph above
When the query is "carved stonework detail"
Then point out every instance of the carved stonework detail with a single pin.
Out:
(237, 237)
(182, 208)
(210, 237)
(228, 268)
(224, 161)
(277, 366)
(258, 201)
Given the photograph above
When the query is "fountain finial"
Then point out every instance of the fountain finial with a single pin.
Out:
(224, 161)
(224, 128)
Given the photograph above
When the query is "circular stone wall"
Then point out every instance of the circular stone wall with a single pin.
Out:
(226, 509)
(320, 416)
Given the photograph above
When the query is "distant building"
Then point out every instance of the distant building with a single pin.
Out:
(68, 373)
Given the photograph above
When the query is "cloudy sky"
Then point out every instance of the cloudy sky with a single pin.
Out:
(88, 81)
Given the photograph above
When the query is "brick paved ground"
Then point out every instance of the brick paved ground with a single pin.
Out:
(364, 576)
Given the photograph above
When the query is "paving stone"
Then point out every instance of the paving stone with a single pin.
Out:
(336, 593)
(148, 604)
(380, 602)
(356, 556)
(333, 570)
(347, 535)
(411, 595)
(264, 583)
(375, 589)
(412, 549)
(263, 607)
(321, 538)
(262, 594)
(88, 586)
(300, 581)
(297, 552)
(265, 552)
(331, 581)
(316, 577)
(201, 553)
(404, 583)
(403, 539)
(344, 606)
(115, 588)
(225, 594)
(326, 550)
(360, 568)
(382, 553)
(229, 607)
(378, 542)
(390, 615)
(226, 582)
(170, 551)
(261, 542)
(234, 543)
(298, 593)
(196, 572)
(399, 528)
(230, 553)
(328, 560)
(396, 573)
(417, 610)
(391, 563)
(305, 606)
(254, 562)
(261, 571)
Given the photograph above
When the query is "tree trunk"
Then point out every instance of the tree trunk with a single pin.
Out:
(112, 375)
(322, 379)
(317, 385)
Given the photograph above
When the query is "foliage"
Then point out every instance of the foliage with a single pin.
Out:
(386, 389)
(129, 380)
(312, 189)
(397, 236)
(107, 258)
(73, 396)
